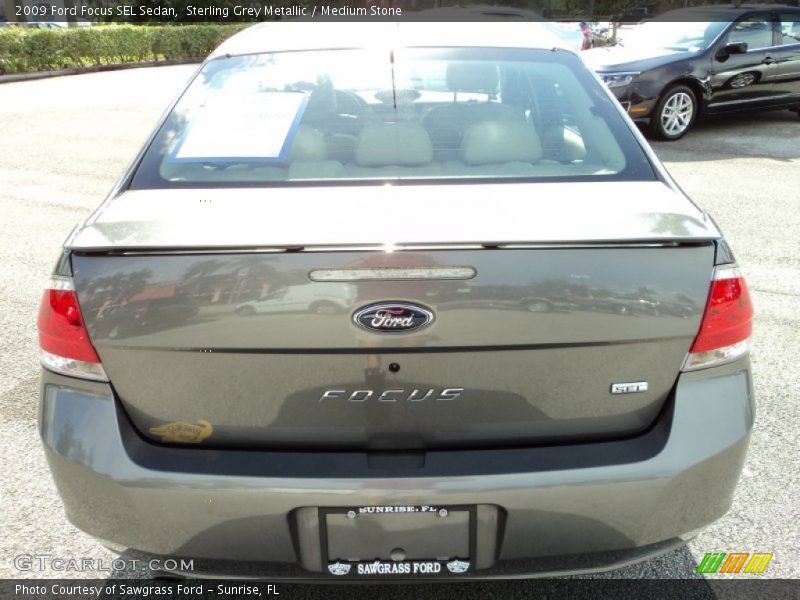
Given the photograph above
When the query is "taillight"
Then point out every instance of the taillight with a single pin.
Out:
(727, 322)
(63, 337)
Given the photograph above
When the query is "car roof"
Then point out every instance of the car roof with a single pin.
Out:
(297, 35)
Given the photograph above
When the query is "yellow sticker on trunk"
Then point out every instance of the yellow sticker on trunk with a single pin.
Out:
(183, 433)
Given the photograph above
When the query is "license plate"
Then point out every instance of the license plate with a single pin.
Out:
(398, 541)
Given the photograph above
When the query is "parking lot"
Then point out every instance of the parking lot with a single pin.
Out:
(63, 141)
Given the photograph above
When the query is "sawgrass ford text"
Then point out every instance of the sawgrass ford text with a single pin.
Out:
(201, 12)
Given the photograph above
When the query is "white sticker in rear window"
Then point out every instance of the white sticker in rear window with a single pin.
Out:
(247, 128)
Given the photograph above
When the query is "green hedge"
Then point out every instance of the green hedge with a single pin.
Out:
(23, 49)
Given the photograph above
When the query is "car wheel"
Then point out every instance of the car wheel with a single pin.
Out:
(537, 306)
(674, 114)
(742, 80)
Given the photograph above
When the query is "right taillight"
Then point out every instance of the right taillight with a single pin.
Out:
(727, 322)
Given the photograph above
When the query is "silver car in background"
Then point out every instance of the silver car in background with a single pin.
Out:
(537, 361)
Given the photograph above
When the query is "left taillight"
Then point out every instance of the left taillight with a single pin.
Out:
(63, 338)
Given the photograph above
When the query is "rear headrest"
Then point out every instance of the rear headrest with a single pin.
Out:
(496, 142)
(472, 77)
(401, 144)
(308, 145)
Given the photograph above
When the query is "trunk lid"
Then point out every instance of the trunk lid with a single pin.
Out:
(221, 335)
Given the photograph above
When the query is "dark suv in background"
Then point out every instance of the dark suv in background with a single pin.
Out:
(688, 63)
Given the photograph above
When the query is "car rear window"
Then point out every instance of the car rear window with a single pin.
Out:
(411, 114)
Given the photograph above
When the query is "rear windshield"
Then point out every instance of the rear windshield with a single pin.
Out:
(415, 114)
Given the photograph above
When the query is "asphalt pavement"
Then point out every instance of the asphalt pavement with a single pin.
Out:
(63, 142)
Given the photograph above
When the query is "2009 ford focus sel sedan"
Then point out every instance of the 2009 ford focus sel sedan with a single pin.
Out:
(485, 333)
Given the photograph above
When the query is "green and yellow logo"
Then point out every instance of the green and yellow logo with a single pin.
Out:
(734, 562)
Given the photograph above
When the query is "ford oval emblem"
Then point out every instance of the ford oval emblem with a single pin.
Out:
(393, 317)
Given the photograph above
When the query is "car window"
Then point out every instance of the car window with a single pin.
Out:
(354, 115)
(755, 31)
(790, 29)
(689, 36)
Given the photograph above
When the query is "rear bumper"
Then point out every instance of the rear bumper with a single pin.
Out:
(541, 511)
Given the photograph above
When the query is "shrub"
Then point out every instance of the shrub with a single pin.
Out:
(23, 49)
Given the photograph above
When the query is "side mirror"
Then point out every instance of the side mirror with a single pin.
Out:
(733, 48)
